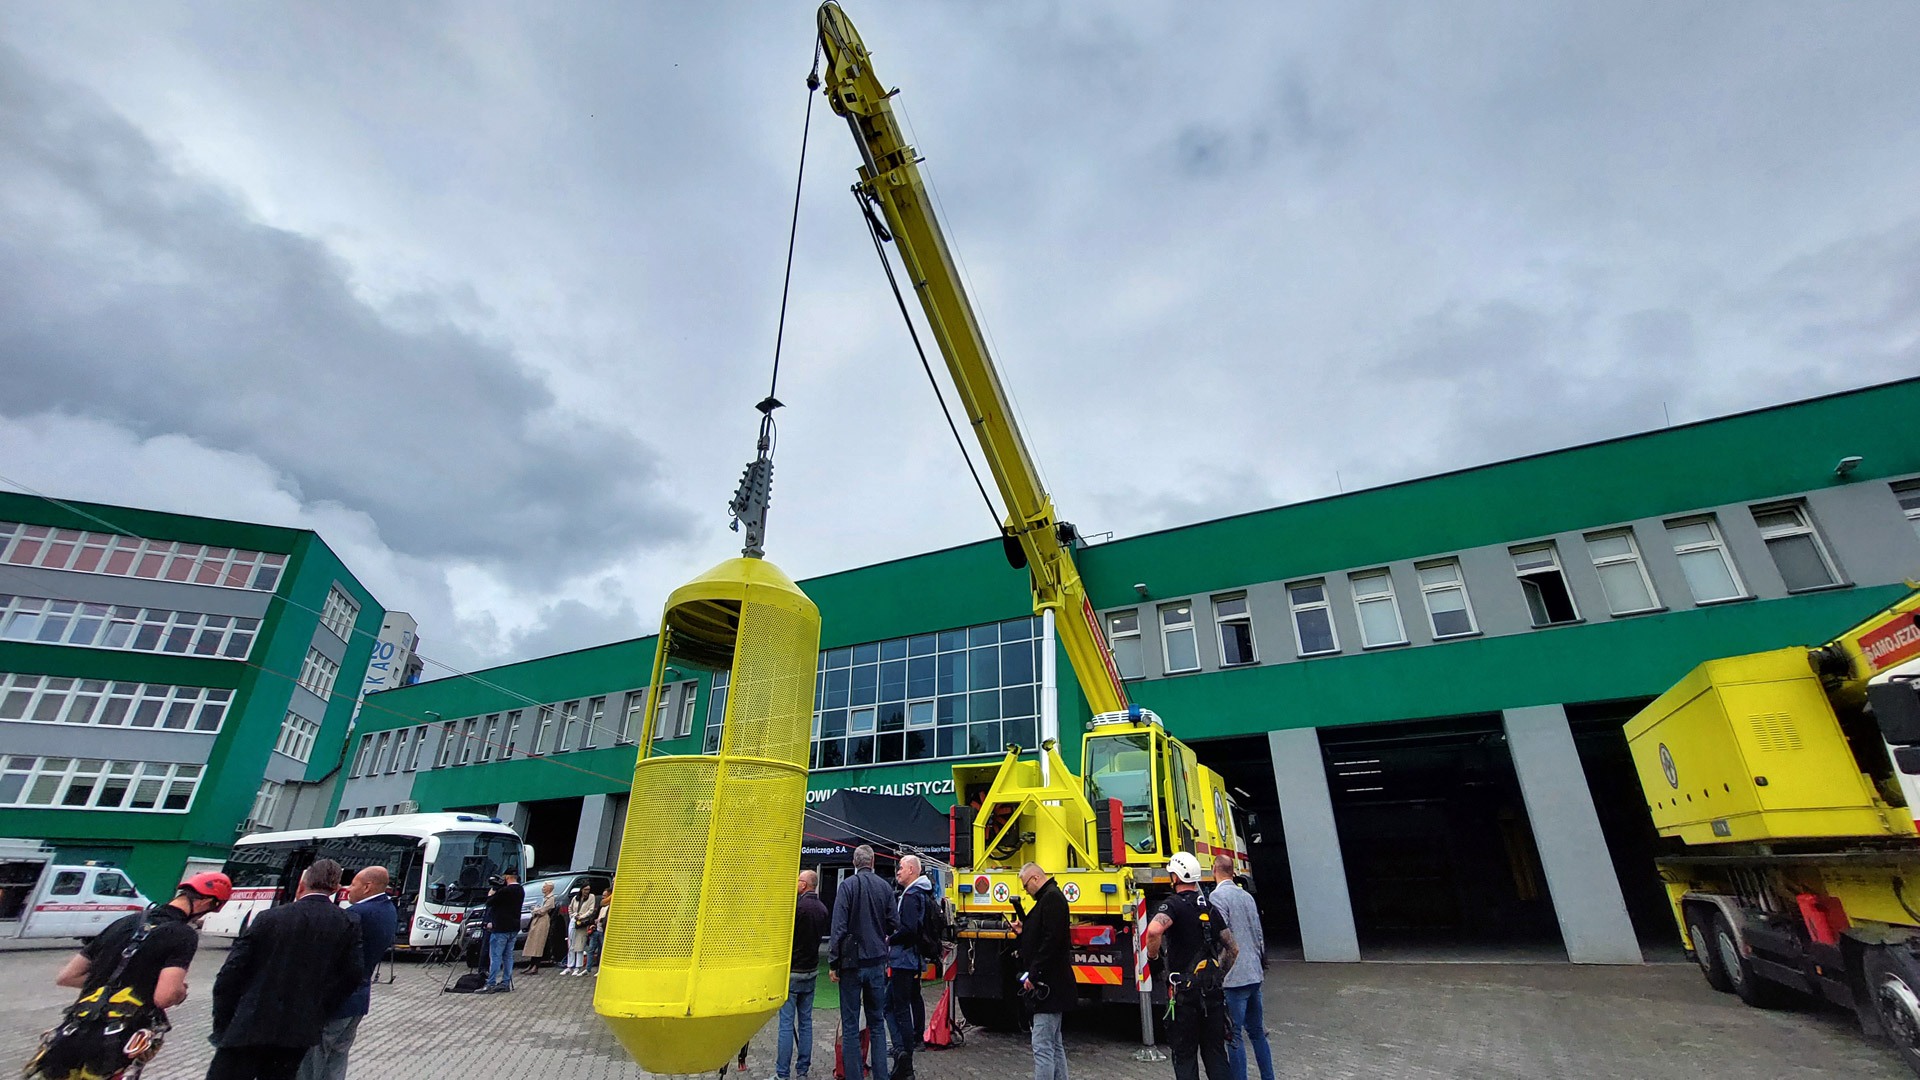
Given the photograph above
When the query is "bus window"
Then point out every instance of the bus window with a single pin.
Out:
(464, 862)
(263, 866)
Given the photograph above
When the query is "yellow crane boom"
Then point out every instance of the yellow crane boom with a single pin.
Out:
(890, 179)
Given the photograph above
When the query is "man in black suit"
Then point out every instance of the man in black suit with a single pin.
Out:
(286, 975)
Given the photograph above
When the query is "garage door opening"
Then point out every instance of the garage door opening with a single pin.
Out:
(1600, 737)
(1247, 768)
(552, 827)
(1440, 857)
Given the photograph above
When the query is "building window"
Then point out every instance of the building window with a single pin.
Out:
(1235, 624)
(296, 737)
(468, 729)
(489, 736)
(265, 802)
(131, 556)
(317, 673)
(47, 621)
(381, 757)
(400, 740)
(1179, 646)
(687, 699)
(1444, 591)
(1123, 637)
(1379, 614)
(662, 722)
(1703, 559)
(1908, 494)
(363, 758)
(512, 738)
(717, 713)
(1548, 598)
(569, 726)
(543, 730)
(445, 757)
(1795, 546)
(419, 744)
(630, 720)
(1623, 577)
(96, 784)
(1312, 618)
(339, 613)
(596, 716)
(341, 815)
(47, 699)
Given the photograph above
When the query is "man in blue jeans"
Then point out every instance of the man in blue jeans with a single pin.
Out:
(503, 925)
(857, 951)
(1249, 971)
(810, 921)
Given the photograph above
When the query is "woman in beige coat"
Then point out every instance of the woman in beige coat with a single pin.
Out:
(583, 913)
(537, 930)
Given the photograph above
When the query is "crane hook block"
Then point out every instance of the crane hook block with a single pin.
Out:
(699, 932)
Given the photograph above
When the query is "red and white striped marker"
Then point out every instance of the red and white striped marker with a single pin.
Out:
(1142, 977)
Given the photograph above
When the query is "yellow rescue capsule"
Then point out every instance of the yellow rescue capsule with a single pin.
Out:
(699, 935)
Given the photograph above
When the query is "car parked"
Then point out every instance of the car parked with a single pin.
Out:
(598, 877)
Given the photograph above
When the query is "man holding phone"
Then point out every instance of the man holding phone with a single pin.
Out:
(1046, 976)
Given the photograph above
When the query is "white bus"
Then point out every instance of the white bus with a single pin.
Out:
(438, 863)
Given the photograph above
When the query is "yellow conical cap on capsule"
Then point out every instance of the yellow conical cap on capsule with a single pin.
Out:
(699, 934)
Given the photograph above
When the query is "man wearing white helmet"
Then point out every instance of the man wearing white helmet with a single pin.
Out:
(1199, 950)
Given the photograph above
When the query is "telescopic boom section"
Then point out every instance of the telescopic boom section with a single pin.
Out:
(890, 178)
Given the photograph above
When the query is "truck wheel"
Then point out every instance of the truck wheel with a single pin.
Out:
(1893, 986)
(1754, 990)
(1706, 951)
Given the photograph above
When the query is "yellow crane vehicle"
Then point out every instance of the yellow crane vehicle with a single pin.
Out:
(1786, 782)
(1106, 838)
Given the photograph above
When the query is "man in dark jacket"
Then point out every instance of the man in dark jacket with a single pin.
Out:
(810, 922)
(857, 951)
(379, 921)
(503, 927)
(906, 1010)
(1046, 975)
(293, 967)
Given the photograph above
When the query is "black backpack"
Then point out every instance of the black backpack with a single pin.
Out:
(933, 931)
(108, 1030)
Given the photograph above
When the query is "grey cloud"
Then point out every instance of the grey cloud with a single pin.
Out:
(145, 295)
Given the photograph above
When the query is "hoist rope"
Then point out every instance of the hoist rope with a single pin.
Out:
(793, 228)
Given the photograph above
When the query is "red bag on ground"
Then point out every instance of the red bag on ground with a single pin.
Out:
(866, 1054)
(940, 1034)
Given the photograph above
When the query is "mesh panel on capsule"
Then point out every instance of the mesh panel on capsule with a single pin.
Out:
(749, 917)
(772, 684)
(666, 837)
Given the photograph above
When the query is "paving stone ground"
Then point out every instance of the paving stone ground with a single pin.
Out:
(1374, 1021)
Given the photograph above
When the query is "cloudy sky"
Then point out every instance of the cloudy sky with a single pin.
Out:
(485, 292)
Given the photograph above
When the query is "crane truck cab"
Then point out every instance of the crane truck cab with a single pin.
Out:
(1784, 782)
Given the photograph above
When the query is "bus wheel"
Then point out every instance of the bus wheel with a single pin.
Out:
(1893, 984)
(1705, 950)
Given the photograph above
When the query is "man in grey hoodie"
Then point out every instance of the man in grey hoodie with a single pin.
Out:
(906, 1010)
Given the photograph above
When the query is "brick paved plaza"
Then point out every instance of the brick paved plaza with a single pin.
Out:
(1363, 1021)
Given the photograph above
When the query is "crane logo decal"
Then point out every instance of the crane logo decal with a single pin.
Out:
(1072, 890)
(1000, 892)
(1666, 766)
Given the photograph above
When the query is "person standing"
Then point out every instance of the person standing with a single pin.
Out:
(379, 922)
(503, 925)
(539, 925)
(906, 1009)
(1046, 978)
(599, 936)
(1199, 951)
(810, 922)
(147, 955)
(583, 915)
(1245, 1011)
(293, 968)
(857, 953)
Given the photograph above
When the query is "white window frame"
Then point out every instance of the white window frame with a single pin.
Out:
(569, 727)
(687, 699)
(1429, 591)
(1167, 632)
(510, 734)
(443, 757)
(155, 782)
(1244, 617)
(1388, 598)
(419, 744)
(361, 757)
(1116, 634)
(489, 736)
(1520, 576)
(265, 802)
(1804, 527)
(1325, 603)
(1907, 494)
(542, 729)
(317, 673)
(400, 749)
(634, 719)
(596, 716)
(297, 735)
(339, 613)
(662, 718)
(1632, 556)
(1718, 544)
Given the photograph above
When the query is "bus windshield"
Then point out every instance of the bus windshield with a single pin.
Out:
(466, 860)
(1121, 767)
(262, 866)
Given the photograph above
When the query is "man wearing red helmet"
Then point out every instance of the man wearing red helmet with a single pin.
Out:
(157, 972)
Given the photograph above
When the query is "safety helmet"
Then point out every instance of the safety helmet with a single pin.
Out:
(213, 885)
(1184, 867)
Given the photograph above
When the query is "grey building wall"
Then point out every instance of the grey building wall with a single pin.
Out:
(117, 744)
(143, 592)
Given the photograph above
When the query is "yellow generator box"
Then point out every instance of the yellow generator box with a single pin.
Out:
(1748, 748)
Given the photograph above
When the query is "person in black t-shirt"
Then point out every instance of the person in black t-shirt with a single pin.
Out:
(157, 971)
(1198, 951)
(503, 925)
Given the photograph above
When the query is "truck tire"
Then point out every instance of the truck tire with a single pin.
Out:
(1700, 932)
(1893, 989)
(1747, 983)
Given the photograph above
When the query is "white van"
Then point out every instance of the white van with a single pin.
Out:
(40, 898)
